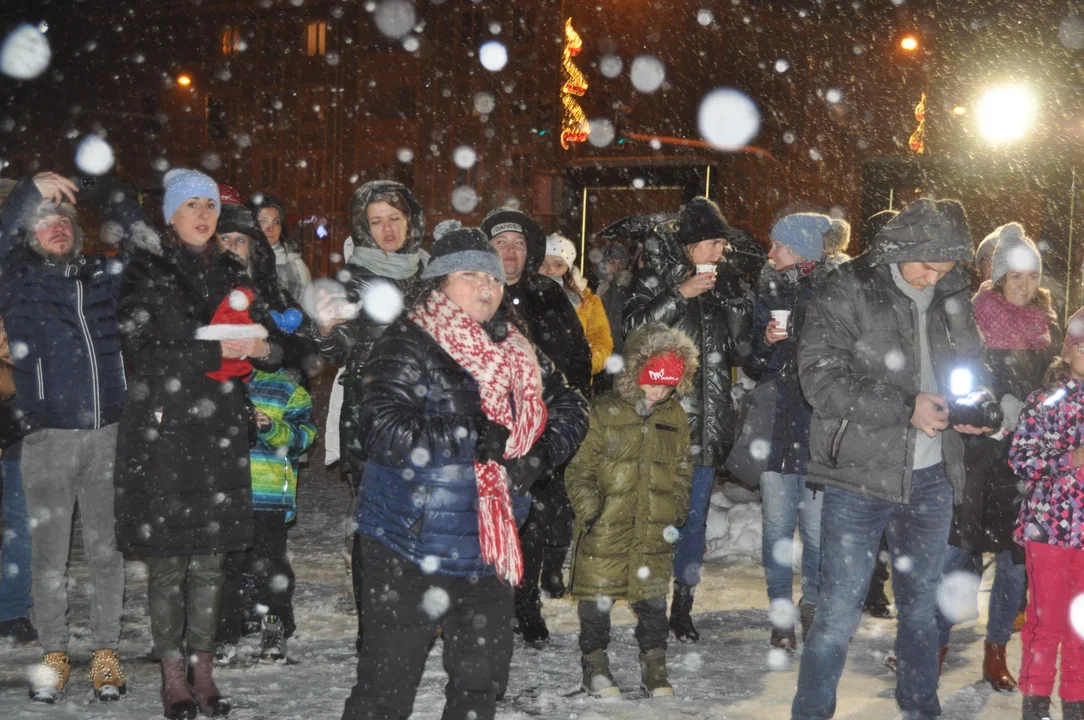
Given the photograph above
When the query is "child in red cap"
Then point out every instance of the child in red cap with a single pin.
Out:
(629, 485)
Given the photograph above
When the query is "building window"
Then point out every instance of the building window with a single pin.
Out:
(231, 40)
(151, 124)
(271, 107)
(269, 173)
(316, 38)
(472, 28)
(519, 170)
(314, 173)
(405, 101)
(313, 101)
(217, 112)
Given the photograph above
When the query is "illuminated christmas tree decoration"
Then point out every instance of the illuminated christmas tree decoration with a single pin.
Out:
(574, 125)
(917, 141)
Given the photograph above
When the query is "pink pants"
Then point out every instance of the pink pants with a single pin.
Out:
(1055, 578)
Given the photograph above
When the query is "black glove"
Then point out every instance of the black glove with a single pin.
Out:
(102, 193)
(525, 472)
(492, 437)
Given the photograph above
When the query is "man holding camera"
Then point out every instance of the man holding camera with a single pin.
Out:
(887, 342)
(59, 308)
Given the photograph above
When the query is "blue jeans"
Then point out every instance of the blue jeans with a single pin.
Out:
(851, 529)
(787, 504)
(15, 550)
(1010, 580)
(689, 551)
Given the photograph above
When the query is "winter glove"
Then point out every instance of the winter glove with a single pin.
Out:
(492, 438)
(524, 473)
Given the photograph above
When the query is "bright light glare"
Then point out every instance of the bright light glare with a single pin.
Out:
(959, 110)
(909, 43)
(184, 81)
(1005, 113)
(961, 382)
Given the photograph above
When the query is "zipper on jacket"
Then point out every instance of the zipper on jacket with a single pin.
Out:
(836, 441)
(41, 380)
(91, 354)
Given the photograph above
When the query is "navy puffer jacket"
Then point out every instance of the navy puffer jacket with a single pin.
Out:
(417, 425)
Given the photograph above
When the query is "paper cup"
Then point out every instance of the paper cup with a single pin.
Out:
(706, 268)
(781, 317)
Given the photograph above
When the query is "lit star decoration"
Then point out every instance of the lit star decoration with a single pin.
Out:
(574, 126)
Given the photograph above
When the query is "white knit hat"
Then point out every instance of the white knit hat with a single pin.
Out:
(1014, 252)
(562, 247)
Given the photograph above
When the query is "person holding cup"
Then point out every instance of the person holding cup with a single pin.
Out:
(796, 256)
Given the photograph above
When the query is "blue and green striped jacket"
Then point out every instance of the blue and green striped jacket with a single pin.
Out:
(274, 458)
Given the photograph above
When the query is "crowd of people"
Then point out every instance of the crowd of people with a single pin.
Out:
(516, 432)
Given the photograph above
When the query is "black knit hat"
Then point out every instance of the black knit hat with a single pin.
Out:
(237, 219)
(464, 249)
(701, 220)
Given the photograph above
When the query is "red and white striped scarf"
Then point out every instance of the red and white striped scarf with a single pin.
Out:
(508, 369)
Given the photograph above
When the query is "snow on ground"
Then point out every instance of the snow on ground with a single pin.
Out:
(726, 675)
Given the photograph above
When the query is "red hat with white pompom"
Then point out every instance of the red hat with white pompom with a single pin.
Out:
(232, 322)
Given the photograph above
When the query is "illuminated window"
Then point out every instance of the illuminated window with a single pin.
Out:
(316, 38)
(231, 40)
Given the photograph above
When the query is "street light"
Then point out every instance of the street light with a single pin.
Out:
(909, 43)
(184, 80)
(1006, 112)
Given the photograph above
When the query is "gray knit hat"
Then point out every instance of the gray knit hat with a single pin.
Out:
(1014, 252)
(464, 249)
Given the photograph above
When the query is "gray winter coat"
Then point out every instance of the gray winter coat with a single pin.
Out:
(858, 356)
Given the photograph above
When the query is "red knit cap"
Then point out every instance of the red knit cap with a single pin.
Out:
(228, 194)
(663, 369)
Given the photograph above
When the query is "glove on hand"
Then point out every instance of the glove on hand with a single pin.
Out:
(492, 438)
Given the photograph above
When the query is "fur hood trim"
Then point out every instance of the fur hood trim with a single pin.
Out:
(647, 341)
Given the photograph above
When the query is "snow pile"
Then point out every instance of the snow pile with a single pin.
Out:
(734, 529)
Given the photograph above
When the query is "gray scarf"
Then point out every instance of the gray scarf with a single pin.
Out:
(397, 266)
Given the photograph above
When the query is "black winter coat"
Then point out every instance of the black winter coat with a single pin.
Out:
(553, 326)
(986, 518)
(655, 297)
(183, 485)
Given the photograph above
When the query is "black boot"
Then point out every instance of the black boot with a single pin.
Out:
(681, 621)
(1073, 710)
(529, 622)
(553, 571)
(1036, 707)
(807, 613)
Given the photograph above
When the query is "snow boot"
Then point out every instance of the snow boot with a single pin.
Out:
(784, 639)
(553, 571)
(681, 606)
(1036, 707)
(177, 702)
(273, 640)
(1072, 710)
(225, 654)
(653, 678)
(995, 671)
(20, 630)
(529, 622)
(211, 701)
(597, 680)
(807, 612)
(49, 679)
(106, 675)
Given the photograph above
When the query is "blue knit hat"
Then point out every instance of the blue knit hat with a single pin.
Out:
(803, 233)
(181, 184)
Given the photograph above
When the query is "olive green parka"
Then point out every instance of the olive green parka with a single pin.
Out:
(631, 479)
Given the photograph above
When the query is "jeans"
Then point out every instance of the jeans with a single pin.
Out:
(689, 551)
(851, 529)
(15, 551)
(788, 503)
(1009, 583)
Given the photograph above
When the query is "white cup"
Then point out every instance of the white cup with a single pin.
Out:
(706, 268)
(781, 317)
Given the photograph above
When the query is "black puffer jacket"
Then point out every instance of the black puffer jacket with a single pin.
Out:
(182, 476)
(655, 297)
(350, 344)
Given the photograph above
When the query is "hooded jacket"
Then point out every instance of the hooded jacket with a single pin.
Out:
(61, 317)
(858, 357)
(545, 309)
(655, 296)
(631, 479)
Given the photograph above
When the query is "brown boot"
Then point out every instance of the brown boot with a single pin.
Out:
(995, 671)
(177, 702)
(203, 685)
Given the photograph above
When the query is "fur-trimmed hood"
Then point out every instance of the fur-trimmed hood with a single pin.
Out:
(650, 340)
(359, 224)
